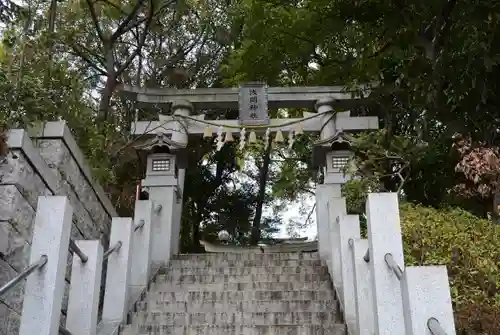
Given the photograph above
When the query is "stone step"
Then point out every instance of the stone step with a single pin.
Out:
(233, 278)
(162, 329)
(233, 296)
(284, 306)
(249, 256)
(245, 286)
(242, 271)
(236, 318)
(182, 263)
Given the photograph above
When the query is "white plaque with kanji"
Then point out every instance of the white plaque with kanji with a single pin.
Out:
(253, 104)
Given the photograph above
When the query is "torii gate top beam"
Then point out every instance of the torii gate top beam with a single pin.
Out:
(278, 97)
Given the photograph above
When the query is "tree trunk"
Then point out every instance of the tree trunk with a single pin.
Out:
(52, 25)
(495, 213)
(264, 172)
(110, 85)
(105, 101)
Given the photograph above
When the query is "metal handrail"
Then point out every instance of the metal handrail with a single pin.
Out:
(139, 225)
(389, 259)
(158, 209)
(73, 247)
(116, 247)
(366, 257)
(64, 331)
(25, 273)
(435, 327)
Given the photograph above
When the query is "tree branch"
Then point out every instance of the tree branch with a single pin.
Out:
(93, 14)
(141, 42)
(122, 27)
(443, 23)
(99, 58)
(92, 64)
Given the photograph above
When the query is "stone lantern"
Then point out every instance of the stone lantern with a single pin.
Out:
(333, 155)
(164, 159)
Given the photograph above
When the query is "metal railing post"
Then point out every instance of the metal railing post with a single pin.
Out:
(73, 247)
(435, 327)
(23, 274)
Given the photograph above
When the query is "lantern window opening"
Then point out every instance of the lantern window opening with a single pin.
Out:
(339, 162)
(160, 165)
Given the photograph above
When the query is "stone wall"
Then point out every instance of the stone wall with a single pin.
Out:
(48, 162)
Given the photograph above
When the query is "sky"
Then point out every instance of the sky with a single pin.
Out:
(293, 212)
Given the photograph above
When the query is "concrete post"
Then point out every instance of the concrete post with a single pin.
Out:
(337, 208)
(363, 289)
(322, 221)
(384, 236)
(426, 294)
(85, 288)
(349, 229)
(44, 288)
(141, 246)
(162, 223)
(118, 272)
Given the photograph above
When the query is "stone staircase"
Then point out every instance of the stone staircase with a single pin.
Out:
(240, 294)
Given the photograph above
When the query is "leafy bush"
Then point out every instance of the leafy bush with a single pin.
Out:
(470, 249)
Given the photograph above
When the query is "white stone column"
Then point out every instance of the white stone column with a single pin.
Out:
(426, 294)
(181, 108)
(337, 208)
(164, 195)
(141, 246)
(349, 229)
(327, 119)
(118, 272)
(362, 288)
(384, 236)
(84, 290)
(322, 221)
(44, 289)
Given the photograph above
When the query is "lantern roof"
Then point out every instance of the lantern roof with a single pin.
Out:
(339, 142)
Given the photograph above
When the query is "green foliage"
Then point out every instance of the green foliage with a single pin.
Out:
(469, 247)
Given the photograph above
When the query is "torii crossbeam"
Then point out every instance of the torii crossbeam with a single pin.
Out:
(335, 97)
(278, 97)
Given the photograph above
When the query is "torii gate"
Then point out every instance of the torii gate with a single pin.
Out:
(165, 171)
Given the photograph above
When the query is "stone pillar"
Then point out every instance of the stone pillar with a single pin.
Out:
(322, 221)
(180, 135)
(181, 108)
(337, 209)
(349, 229)
(161, 183)
(44, 289)
(331, 193)
(118, 272)
(362, 288)
(177, 221)
(85, 288)
(426, 295)
(384, 236)
(327, 119)
(141, 247)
